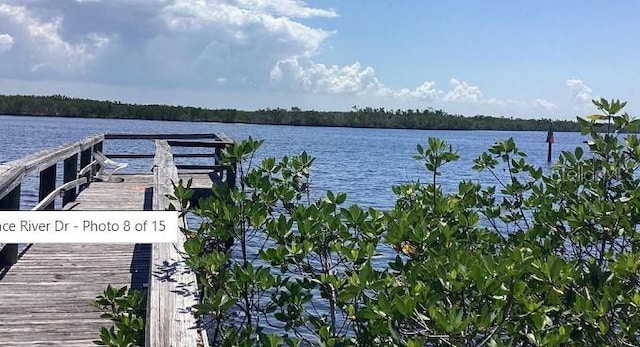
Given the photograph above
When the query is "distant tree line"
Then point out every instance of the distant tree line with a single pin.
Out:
(62, 106)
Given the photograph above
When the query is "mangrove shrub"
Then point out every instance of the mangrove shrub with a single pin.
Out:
(543, 257)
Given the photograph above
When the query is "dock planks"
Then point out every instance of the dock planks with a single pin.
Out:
(45, 298)
(172, 287)
(123, 192)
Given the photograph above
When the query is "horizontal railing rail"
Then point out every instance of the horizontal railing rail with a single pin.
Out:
(12, 173)
(170, 321)
(170, 318)
(45, 162)
(217, 137)
(60, 191)
(151, 156)
(80, 154)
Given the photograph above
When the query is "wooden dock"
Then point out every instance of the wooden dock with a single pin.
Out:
(45, 299)
(46, 295)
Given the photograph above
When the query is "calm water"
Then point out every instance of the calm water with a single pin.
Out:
(364, 163)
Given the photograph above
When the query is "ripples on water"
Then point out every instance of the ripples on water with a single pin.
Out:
(364, 163)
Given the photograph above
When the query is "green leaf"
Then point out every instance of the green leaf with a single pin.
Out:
(415, 343)
(341, 198)
(556, 267)
(405, 305)
(578, 153)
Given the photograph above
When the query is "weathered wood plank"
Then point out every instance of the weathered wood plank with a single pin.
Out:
(124, 136)
(50, 289)
(170, 321)
(67, 187)
(47, 186)
(198, 180)
(10, 177)
(53, 303)
(48, 157)
(225, 138)
(48, 292)
(201, 167)
(85, 162)
(202, 144)
(13, 172)
(70, 173)
(123, 192)
(150, 156)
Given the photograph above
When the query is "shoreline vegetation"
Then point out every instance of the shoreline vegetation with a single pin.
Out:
(367, 117)
(536, 258)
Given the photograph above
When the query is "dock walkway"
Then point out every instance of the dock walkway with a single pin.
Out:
(46, 296)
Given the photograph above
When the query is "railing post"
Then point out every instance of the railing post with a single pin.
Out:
(47, 185)
(11, 202)
(217, 160)
(232, 169)
(96, 148)
(70, 173)
(172, 296)
(85, 159)
(218, 157)
(231, 175)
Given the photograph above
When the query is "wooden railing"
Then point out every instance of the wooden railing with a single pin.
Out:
(13, 173)
(172, 285)
(217, 142)
(171, 298)
(78, 174)
(173, 290)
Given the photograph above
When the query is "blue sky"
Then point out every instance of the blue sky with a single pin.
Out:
(523, 59)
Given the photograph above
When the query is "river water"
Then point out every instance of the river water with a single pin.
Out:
(364, 163)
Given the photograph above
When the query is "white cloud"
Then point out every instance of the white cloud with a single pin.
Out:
(581, 92)
(245, 24)
(6, 42)
(201, 45)
(544, 104)
(462, 92)
(289, 8)
(98, 40)
(232, 40)
(42, 45)
(426, 91)
(535, 104)
(319, 78)
(255, 33)
(302, 74)
(159, 43)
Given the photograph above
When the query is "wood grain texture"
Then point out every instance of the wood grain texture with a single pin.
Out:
(45, 298)
(196, 144)
(10, 177)
(224, 138)
(181, 136)
(12, 173)
(48, 157)
(151, 156)
(172, 286)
